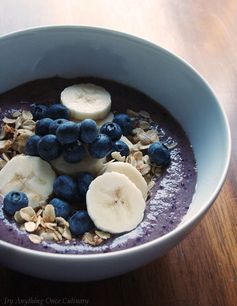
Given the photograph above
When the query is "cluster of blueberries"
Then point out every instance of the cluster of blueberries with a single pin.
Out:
(55, 134)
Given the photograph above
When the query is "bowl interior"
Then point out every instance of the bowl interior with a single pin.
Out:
(78, 51)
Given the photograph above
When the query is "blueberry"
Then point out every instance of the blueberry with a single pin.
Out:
(55, 124)
(14, 201)
(65, 187)
(73, 152)
(121, 147)
(68, 132)
(159, 154)
(58, 111)
(112, 130)
(124, 122)
(42, 126)
(100, 147)
(88, 131)
(31, 147)
(49, 147)
(80, 222)
(83, 182)
(39, 111)
(62, 208)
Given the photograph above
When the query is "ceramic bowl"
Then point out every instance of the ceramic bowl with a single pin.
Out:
(71, 51)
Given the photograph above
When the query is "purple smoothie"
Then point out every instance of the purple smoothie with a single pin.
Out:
(170, 197)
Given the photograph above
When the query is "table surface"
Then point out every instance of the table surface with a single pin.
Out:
(202, 269)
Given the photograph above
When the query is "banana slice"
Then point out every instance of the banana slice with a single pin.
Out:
(29, 174)
(87, 164)
(132, 173)
(114, 203)
(86, 101)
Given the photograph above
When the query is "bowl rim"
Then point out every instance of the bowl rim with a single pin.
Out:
(183, 226)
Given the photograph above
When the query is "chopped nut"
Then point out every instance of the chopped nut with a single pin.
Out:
(5, 145)
(131, 160)
(145, 169)
(153, 135)
(102, 234)
(150, 185)
(60, 229)
(39, 212)
(16, 114)
(117, 156)
(50, 225)
(35, 238)
(92, 239)
(38, 222)
(29, 125)
(49, 213)
(26, 115)
(9, 120)
(138, 155)
(18, 218)
(18, 122)
(22, 135)
(67, 234)
(30, 226)
(146, 159)
(61, 222)
(27, 213)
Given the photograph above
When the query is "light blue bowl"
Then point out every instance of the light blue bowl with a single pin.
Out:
(71, 51)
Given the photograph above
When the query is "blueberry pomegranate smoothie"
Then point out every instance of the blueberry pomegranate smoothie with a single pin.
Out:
(90, 166)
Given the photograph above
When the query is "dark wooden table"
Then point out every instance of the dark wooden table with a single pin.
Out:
(202, 269)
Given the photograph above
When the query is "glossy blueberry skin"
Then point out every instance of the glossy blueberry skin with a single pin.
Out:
(83, 182)
(42, 126)
(74, 152)
(14, 201)
(80, 222)
(58, 111)
(121, 147)
(100, 147)
(112, 130)
(62, 208)
(159, 154)
(55, 124)
(88, 131)
(65, 187)
(125, 123)
(67, 132)
(39, 111)
(31, 147)
(49, 147)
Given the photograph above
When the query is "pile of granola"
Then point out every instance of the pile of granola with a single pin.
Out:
(14, 134)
